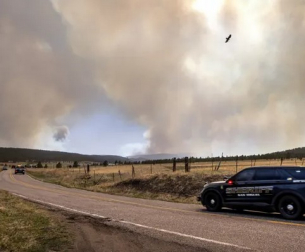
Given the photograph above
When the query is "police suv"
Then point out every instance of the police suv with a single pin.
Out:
(270, 189)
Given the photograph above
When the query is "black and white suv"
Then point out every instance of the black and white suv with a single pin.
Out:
(270, 189)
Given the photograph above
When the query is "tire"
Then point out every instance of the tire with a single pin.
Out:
(212, 202)
(290, 207)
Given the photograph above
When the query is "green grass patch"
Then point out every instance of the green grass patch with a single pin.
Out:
(26, 227)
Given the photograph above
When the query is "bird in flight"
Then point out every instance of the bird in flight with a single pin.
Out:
(228, 38)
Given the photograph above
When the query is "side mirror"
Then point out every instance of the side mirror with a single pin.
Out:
(226, 178)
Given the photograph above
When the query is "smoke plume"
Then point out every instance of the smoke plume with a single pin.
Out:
(165, 64)
(61, 133)
(41, 79)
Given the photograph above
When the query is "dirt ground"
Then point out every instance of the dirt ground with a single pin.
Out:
(95, 235)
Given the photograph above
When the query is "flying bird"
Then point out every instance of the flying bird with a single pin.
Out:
(228, 38)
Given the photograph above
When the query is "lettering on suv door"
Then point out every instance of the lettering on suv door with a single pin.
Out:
(249, 191)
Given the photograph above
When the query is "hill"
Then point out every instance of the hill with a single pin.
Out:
(160, 156)
(18, 155)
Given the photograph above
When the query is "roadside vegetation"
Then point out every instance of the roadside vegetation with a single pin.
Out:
(174, 187)
(26, 227)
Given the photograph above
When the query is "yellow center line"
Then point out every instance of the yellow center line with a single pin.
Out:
(79, 194)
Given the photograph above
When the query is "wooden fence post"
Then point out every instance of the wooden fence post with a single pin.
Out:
(186, 164)
(151, 169)
(282, 161)
(212, 164)
(218, 165)
(120, 175)
(236, 163)
(113, 176)
(133, 173)
(174, 164)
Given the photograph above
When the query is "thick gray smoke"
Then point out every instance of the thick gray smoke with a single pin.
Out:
(165, 64)
(171, 70)
(40, 77)
(61, 133)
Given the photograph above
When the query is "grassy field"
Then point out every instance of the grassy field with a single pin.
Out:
(149, 181)
(24, 227)
(121, 172)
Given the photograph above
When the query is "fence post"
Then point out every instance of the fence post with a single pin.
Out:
(113, 176)
(120, 175)
(186, 161)
(88, 168)
(218, 165)
(133, 173)
(212, 164)
(236, 163)
(174, 164)
(282, 161)
(150, 168)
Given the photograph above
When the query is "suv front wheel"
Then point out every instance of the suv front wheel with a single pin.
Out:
(212, 202)
(290, 207)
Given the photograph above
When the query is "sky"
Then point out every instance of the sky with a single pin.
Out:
(128, 77)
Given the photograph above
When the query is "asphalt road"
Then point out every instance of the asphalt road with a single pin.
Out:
(188, 224)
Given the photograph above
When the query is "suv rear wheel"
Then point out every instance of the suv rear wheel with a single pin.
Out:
(212, 202)
(290, 207)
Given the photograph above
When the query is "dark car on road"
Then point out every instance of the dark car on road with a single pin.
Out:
(19, 169)
(270, 189)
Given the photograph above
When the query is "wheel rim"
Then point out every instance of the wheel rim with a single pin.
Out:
(289, 207)
(211, 201)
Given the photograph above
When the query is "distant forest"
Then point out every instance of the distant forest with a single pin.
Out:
(18, 155)
(31, 155)
(287, 154)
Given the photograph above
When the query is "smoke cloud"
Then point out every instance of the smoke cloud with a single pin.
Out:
(41, 79)
(61, 133)
(165, 64)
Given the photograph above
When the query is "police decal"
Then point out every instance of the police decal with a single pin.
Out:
(250, 191)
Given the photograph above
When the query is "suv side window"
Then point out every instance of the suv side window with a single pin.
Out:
(297, 173)
(245, 175)
(267, 174)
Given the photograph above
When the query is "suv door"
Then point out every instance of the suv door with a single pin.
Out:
(266, 182)
(236, 187)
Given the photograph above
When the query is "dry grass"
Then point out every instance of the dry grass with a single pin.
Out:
(197, 167)
(24, 227)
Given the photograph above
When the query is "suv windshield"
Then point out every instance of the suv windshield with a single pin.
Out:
(297, 173)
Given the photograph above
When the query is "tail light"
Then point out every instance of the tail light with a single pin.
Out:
(230, 182)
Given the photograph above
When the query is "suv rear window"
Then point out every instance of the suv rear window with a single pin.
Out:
(297, 173)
